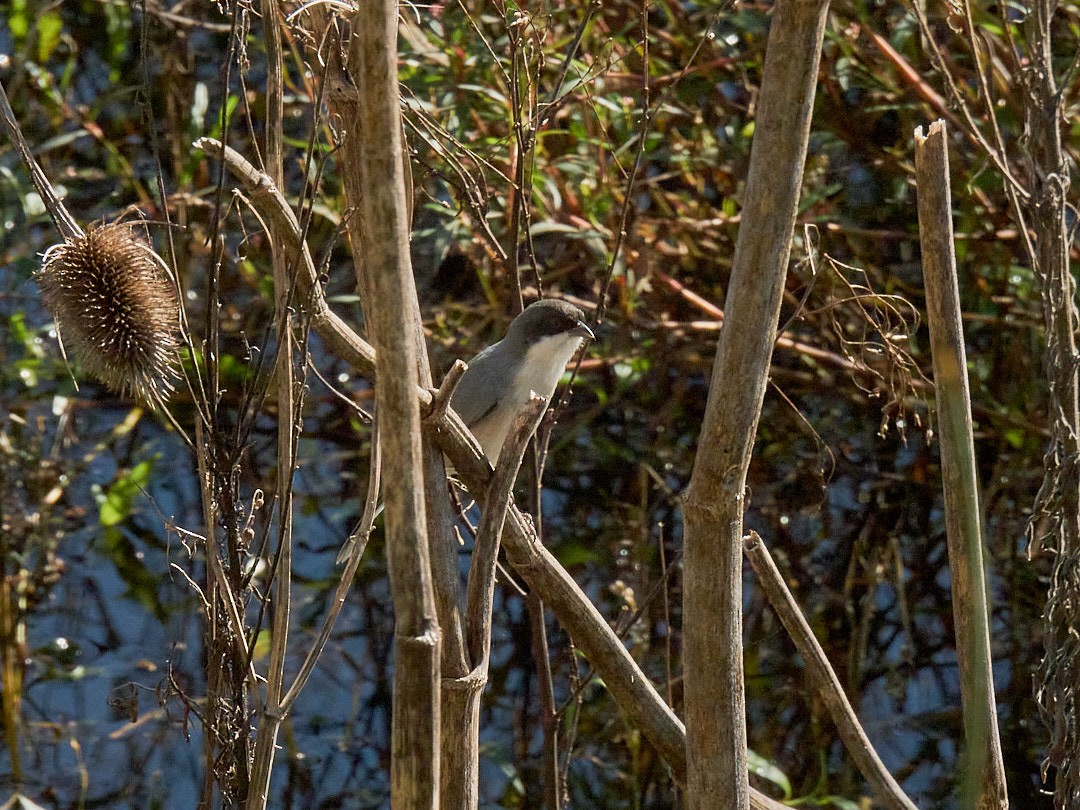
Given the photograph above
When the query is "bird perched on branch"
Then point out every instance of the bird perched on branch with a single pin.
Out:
(530, 359)
(498, 382)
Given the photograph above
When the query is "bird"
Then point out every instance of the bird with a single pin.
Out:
(498, 382)
(530, 359)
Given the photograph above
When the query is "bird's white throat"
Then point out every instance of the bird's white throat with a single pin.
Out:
(545, 363)
(543, 366)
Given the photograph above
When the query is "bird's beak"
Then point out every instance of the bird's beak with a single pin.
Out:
(583, 331)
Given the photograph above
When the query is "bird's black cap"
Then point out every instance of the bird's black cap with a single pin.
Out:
(547, 318)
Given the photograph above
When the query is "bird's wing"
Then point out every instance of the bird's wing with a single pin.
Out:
(471, 423)
(480, 390)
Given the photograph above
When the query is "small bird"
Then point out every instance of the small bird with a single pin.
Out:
(497, 384)
(530, 359)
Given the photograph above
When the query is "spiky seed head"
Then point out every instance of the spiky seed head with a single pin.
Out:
(116, 308)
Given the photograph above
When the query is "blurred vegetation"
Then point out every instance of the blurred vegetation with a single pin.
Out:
(845, 486)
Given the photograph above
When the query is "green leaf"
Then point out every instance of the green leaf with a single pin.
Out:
(576, 554)
(63, 139)
(17, 325)
(115, 507)
(49, 28)
(842, 803)
(142, 583)
(263, 640)
(1015, 437)
(768, 771)
(18, 21)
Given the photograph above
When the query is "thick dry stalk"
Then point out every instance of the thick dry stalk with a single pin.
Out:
(383, 213)
(713, 508)
(984, 772)
(343, 98)
(822, 677)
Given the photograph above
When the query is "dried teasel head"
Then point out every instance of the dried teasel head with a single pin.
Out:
(116, 309)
